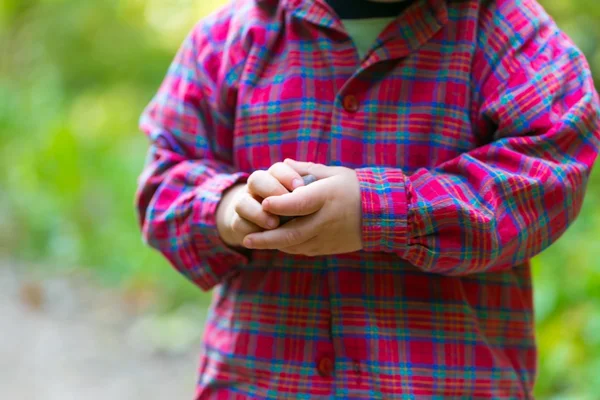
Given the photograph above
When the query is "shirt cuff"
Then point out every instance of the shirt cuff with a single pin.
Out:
(222, 260)
(384, 209)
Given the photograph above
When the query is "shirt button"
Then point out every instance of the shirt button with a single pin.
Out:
(325, 367)
(350, 103)
(357, 372)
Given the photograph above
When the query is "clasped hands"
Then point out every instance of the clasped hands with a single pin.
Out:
(328, 211)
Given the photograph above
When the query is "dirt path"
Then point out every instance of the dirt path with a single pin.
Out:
(65, 339)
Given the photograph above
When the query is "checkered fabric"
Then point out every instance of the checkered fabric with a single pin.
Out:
(472, 125)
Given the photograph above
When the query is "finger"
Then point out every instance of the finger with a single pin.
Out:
(263, 184)
(243, 227)
(305, 200)
(293, 233)
(320, 171)
(286, 175)
(250, 209)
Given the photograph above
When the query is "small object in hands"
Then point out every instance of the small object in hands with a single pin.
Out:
(308, 179)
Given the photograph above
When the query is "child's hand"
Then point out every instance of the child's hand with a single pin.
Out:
(240, 212)
(329, 213)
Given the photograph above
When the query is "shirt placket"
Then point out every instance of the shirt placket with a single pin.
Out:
(355, 105)
(346, 357)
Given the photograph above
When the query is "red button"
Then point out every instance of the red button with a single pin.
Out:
(350, 103)
(357, 372)
(325, 367)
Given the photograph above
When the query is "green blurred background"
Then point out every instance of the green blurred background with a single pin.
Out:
(74, 78)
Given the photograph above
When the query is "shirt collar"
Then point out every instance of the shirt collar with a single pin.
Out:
(414, 27)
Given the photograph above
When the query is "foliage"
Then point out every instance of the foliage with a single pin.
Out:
(74, 77)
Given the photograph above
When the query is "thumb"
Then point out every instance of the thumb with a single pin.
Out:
(319, 171)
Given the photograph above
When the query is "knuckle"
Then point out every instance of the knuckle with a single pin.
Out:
(317, 168)
(247, 199)
(276, 167)
(239, 206)
(254, 179)
(236, 224)
(242, 203)
(251, 184)
(293, 237)
(303, 204)
(264, 219)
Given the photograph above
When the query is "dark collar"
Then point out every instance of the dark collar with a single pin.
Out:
(413, 28)
(360, 9)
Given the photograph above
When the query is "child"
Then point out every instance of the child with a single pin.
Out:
(452, 142)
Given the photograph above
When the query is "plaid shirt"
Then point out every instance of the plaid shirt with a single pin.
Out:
(472, 125)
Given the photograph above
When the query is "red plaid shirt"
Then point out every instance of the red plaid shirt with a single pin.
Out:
(472, 125)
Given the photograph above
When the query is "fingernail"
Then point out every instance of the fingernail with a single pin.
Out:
(265, 204)
(296, 183)
(272, 223)
(247, 243)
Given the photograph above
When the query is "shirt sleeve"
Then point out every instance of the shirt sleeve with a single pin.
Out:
(506, 201)
(189, 163)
